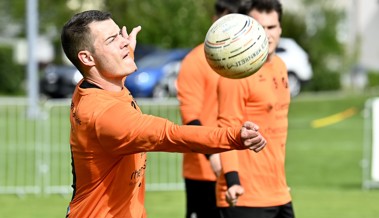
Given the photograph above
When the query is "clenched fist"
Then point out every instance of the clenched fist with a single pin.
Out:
(251, 137)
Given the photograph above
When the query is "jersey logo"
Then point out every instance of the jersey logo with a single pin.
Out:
(261, 78)
(285, 83)
(74, 115)
(275, 82)
(137, 174)
(134, 102)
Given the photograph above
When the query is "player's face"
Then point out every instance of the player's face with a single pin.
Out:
(112, 56)
(271, 24)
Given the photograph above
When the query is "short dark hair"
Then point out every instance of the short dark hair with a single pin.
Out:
(76, 34)
(226, 7)
(261, 5)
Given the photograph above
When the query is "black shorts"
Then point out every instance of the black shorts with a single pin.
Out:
(283, 211)
(201, 199)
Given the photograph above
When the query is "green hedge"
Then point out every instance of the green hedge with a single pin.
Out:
(323, 81)
(373, 79)
(12, 75)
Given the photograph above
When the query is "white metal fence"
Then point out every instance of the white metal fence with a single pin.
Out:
(35, 153)
(370, 163)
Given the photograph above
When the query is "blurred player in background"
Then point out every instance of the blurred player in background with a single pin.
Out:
(255, 184)
(197, 84)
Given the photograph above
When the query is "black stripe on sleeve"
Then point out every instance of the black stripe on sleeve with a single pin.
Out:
(194, 122)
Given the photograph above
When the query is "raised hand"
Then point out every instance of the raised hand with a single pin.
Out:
(132, 37)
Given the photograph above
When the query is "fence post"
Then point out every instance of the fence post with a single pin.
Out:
(370, 163)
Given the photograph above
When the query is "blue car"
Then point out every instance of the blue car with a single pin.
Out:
(154, 70)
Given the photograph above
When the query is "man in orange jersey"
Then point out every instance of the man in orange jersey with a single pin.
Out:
(197, 95)
(255, 184)
(110, 135)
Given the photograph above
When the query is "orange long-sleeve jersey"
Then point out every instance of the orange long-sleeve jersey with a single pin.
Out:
(264, 99)
(109, 138)
(197, 84)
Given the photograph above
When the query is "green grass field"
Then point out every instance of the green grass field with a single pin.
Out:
(323, 168)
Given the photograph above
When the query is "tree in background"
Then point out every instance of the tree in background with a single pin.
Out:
(184, 23)
(165, 23)
(316, 30)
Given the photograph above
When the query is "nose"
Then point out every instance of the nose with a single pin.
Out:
(124, 42)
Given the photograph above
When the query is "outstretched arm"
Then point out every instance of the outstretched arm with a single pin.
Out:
(135, 132)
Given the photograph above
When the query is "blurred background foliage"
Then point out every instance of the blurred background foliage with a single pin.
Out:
(319, 38)
(166, 23)
(184, 23)
(12, 75)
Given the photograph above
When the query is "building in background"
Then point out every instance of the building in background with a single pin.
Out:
(366, 15)
(360, 30)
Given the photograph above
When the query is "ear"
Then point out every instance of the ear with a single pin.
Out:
(86, 58)
(214, 18)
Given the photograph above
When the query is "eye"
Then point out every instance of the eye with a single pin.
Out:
(271, 27)
(110, 40)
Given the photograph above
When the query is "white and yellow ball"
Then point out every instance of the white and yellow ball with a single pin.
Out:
(236, 46)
